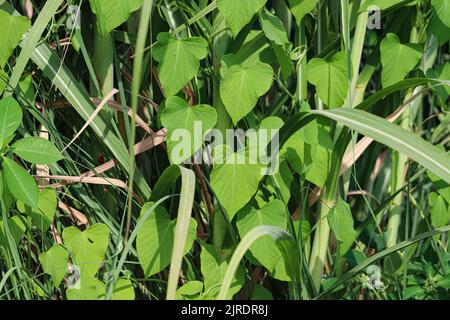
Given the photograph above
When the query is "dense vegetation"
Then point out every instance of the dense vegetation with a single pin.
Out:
(98, 200)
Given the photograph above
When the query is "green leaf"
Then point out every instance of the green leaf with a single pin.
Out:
(87, 247)
(379, 4)
(265, 249)
(13, 28)
(440, 20)
(10, 117)
(340, 220)
(235, 184)
(397, 59)
(213, 266)
(54, 262)
(309, 152)
(36, 150)
(44, 213)
(17, 228)
(22, 186)
(330, 78)
(190, 290)
(189, 124)
(442, 10)
(273, 28)
(124, 290)
(238, 13)
(179, 60)
(261, 293)
(301, 8)
(440, 215)
(394, 137)
(3, 81)
(242, 85)
(111, 14)
(154, 243)
(441, 186)
(90, 289)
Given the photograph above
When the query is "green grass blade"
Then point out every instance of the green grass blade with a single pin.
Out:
(381, 255)
(284, 241)
(394, 137)
(181, 228)
(31, 41)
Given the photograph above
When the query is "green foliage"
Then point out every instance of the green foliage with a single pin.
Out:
(155, 240)
(179, 60)
(239, 13)
(242, 84)
(357, 206)
(13, 29)
(397, 59)
(111, 14)
(330, 78)
(179, 115)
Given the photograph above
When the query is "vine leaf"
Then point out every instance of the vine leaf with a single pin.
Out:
(87, 247)
(330, 78)
(301, 8)
(111, 14)
(13, 28)
(243, 84)
(194, 121)
(22, 186)
(179, 60)
(265, 249)
(397, 59)
(238, 13)
(54, 262)
(154, 243)
(36, 150)
(340, 220)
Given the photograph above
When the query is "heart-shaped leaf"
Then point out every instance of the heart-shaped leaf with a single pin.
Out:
(87, 247)
(397, 59)
(340, 220)
(214, 266)
(154, 243)
(22, 186)
(179, 60)
(235, 184)
(265, 249)
(54, 262)
(242, 85)
(273, 28)
(10, 117)
(238, 13)
(330, 78)
(186, 127)
(13, 28)
(36, 150)
(17, 228)
(301, 8)
(111, 14)
(43, 215)
(440, 215)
